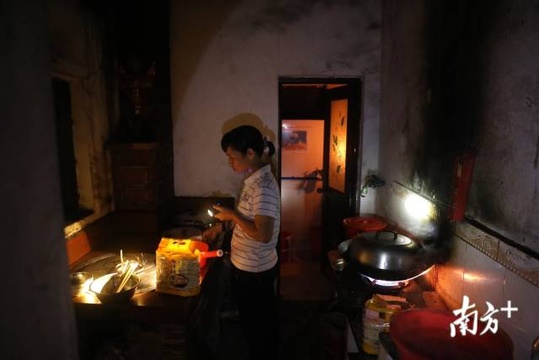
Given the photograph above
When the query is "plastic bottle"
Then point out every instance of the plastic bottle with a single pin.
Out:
(376, 316)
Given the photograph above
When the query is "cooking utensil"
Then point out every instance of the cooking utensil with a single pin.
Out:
(384, 255)
(127, 275)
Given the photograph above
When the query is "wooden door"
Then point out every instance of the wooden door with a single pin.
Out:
(341, 158)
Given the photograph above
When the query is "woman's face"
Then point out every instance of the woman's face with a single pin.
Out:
(239, 162)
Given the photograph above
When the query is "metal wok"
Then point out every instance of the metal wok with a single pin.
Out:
(384, 255)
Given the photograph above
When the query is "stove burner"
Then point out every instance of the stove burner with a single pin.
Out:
(391, 284)
(385, 284)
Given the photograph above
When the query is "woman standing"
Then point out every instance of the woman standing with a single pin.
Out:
(253, 246)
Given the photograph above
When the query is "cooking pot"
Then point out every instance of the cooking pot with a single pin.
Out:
(384, 255)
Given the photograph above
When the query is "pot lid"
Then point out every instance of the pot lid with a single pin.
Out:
(388, 238)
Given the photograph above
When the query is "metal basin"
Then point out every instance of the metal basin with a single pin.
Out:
(105, 288)
(108, 263)
(80, 282)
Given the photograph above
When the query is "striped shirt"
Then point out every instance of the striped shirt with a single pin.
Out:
(259, 196)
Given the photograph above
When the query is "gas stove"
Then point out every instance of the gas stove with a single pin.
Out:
(385, 286)
(355, 289)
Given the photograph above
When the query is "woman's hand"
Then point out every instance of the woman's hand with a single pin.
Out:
(211, 234)
(260, 229)
(224, 214)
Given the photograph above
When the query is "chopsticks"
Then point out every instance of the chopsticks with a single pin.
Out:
(126, 274)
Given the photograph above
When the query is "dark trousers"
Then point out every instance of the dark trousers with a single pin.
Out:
(257, 307)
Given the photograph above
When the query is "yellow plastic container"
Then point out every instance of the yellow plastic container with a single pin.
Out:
(376, 315)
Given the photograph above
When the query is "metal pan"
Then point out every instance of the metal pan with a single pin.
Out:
(384, 255)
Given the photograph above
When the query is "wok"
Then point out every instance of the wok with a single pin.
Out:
(384, 255)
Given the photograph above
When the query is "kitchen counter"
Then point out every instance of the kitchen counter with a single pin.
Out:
(194, 320)
(146, 304)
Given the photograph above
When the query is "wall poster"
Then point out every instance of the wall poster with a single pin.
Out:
(294, 139)
(302, 147)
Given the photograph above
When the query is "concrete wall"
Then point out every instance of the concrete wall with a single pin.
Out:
(459, 76)
(226, 59)
(505, 188)
(35, 307)
(465, 85)
(78, 57)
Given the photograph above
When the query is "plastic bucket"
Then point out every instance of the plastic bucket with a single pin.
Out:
(423, 334)
(360, 224)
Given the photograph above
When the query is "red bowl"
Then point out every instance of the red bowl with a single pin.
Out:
(423, 334)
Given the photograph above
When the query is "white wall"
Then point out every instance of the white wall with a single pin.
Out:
(301, 206)
(370, 142)
(226, 59)
(472, 273)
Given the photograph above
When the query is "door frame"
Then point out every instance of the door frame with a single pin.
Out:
(353, 151)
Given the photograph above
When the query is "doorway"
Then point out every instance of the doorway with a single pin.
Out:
(319, 156)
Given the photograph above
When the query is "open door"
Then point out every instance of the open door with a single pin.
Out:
(317, 191)
(341, 157)
(316, 195)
